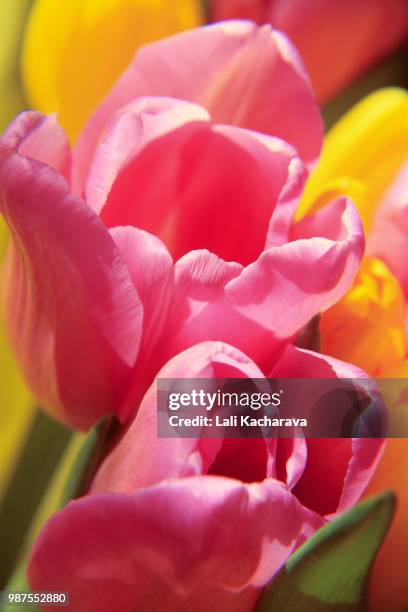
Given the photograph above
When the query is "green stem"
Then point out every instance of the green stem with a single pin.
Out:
(44, 447)
(90, 456)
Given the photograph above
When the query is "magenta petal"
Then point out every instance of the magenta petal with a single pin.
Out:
(74, 315)
(289, 284)
(291, 459)
(131, 130)
(39, 137)
(195, 186)
(282, 220)
(337, 471)
(198, 543)
(200, 310)
(244, 75)
(388, 238)
(140, 458)
(258, 308)
(151, 269)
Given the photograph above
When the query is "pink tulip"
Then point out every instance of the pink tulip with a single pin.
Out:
(337, 39)
(165, 228)
(199, 524)
(388, 238)
(242, 74)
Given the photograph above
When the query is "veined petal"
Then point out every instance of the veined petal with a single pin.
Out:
(38, 137)
(233, 72)
(192, 183)
(258, 308)
(132, 129)
(73, 313)
(151, 270)
(175, 542)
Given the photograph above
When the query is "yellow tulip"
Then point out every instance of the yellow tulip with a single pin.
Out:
(362, 156)
(363, 153)
(366, 327)
(74, 51)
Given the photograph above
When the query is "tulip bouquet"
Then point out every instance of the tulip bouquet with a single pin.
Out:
(173, 209)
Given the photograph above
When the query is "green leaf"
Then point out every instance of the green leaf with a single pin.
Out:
(331, 571)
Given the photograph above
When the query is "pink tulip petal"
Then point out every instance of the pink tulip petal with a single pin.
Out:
(39, 137)
(258, 308)
(198, 543)
(308, 274)
(196, 313)
(140, 458)
(291, 459)
(73, 312)
(244, 75)
(282, 220)
(198, 186)
(151, 269)
(337, 471)
(388, 238)
(131, 130)
(317, 27)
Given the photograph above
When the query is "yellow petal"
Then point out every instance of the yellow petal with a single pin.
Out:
(74, 51)
(366, 327)
(367, 146)
(12, 18)
(330, 190)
